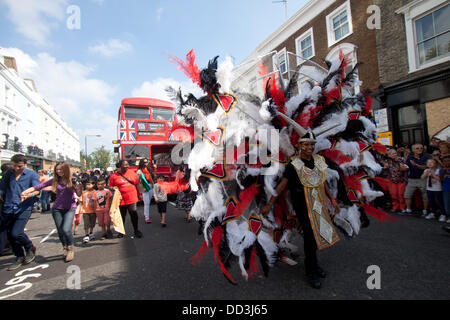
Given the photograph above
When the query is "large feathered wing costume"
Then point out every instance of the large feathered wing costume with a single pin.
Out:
(242, 144)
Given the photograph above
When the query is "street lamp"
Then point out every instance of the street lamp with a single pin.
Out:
(85, 145)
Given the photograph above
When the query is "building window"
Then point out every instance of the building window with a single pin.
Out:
(281, 61)
(433, 35)
(427, 33)
(339, 24)
(305, 46)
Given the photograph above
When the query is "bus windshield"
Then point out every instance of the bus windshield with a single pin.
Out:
(137, 113)
(136, 152)
(163, 114)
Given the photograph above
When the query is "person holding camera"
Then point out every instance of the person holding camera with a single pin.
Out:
(64, 207)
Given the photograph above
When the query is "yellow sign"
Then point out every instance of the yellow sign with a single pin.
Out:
(385, 138)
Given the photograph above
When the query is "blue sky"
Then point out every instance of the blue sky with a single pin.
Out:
(121, 49)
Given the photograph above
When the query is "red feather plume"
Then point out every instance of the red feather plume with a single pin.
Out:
(189, 67)
(378, 214)
(336, 156)
(353, 182)
(253, 269)
(216, 238)
(379, 148)
(246, 198)
(195, 260)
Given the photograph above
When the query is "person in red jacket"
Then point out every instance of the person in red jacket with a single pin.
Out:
(125, 181)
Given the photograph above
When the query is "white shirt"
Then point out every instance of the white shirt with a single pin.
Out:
(435, 184)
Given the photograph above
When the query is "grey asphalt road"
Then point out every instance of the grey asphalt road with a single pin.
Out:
(413, 257)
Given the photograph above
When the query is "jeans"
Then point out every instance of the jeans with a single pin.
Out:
(45, 200)
(14, 224)
(436, 201)
(147, 197)
(63, 221)
(446, 195)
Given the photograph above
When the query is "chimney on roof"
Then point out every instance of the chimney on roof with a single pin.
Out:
(31, 83)
(10, 62)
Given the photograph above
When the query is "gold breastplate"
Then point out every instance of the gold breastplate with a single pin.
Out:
(311, 178)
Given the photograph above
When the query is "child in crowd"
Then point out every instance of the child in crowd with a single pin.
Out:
(160, 199)
(88, 210)
(434, 189)
(444, 174)
(78, 213)
(103, 198)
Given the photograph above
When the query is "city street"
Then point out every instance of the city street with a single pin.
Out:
(412, 256)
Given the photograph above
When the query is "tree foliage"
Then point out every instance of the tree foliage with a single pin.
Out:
(100, 158)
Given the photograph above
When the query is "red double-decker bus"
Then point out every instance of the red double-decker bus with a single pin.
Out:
(144, 131)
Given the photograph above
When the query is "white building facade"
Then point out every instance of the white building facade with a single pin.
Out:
(29, 125)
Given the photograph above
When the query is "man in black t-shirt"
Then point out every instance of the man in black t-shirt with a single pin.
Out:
(291, 180)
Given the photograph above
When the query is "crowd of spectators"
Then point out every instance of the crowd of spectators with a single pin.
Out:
(419, 180)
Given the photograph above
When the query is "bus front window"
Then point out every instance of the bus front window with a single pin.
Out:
(136, 152)
(137, 113)
(163, 114)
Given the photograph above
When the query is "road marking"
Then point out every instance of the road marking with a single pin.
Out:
(35, 238)
(48, 236)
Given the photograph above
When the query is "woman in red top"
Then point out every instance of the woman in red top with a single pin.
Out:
(126, 181)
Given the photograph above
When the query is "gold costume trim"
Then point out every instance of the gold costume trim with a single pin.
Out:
(316, 201)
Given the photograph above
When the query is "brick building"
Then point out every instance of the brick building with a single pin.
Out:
(318, 32)
(413, 48)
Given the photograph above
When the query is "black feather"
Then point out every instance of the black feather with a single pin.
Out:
(268, 94)
(224, 250)
(352, 75)
(262, 258)
(248, 255)
(208, 78)
(206, 104)
(291, 85)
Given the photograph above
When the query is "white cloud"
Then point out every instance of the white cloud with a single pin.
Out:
(71, 89)
(159, 13)
(156, 88)
(111, 48)
(35, 19)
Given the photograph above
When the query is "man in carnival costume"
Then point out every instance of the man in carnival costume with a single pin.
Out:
(305, 178)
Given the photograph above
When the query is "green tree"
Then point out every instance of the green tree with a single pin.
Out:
(101, 158)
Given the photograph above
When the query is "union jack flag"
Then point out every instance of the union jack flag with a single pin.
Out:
(127, 130)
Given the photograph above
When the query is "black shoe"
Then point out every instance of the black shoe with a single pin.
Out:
(314, 280)
(138, 234)
(320, 272)
(120, 235)
(30, 256)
